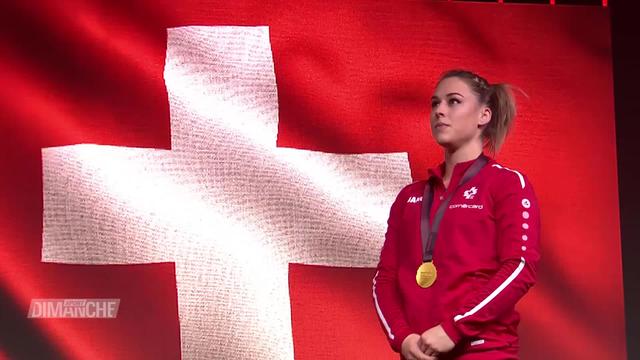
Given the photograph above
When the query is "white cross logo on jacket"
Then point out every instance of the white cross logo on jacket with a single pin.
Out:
(469, 194)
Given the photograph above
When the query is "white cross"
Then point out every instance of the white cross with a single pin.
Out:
(225, 204)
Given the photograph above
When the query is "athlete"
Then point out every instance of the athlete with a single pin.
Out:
(461, 247)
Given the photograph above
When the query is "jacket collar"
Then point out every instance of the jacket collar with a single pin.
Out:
(458, 170)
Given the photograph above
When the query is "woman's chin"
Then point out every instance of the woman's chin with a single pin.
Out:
(444, 142)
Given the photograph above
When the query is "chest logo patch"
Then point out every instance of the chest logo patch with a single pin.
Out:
(469, 194)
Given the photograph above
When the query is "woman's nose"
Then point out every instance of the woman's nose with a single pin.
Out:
(439, 111)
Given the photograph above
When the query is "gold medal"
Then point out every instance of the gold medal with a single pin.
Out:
(426, 274)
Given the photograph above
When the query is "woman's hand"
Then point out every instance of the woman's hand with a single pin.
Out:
(411, 350)
(435, 341)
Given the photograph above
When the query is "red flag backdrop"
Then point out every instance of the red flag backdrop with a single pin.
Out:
(352, 77)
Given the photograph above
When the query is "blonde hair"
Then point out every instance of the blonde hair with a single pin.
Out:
(499, 98)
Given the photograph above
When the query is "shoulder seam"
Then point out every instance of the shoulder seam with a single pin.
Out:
(520, 176)
(405, 188)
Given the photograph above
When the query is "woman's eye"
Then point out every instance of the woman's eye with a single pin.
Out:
(434, 104)
(454, 101)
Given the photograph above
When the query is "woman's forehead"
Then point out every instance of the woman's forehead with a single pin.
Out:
(452, 85)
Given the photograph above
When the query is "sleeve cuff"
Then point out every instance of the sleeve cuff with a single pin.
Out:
(452, 331)
(398, 338)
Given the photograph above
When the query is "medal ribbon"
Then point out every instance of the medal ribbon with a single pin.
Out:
(430, 234)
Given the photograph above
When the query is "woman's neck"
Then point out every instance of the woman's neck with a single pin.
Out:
(467, 152)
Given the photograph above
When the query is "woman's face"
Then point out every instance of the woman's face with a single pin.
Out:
(456, 114)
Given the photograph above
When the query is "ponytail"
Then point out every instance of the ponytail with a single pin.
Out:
(499, 98)
(503, 112)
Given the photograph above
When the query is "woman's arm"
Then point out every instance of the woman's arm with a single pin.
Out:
(385, 290)
(518, 230)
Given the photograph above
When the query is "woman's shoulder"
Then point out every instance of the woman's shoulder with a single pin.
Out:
(412, 190)
(503, 176)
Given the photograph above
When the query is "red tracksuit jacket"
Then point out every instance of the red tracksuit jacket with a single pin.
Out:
(485, 254)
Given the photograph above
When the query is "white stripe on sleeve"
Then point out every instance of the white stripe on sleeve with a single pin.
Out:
(517, 173)
(375, 299)
(495, 293)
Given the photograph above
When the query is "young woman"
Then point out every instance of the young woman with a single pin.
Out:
(461, 248)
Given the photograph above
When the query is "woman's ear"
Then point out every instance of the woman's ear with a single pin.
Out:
(485, 116)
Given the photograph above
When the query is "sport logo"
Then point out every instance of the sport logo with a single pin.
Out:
(414, 199)
(469, 194)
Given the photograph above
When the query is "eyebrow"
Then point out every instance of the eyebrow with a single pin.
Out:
(449, 94)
